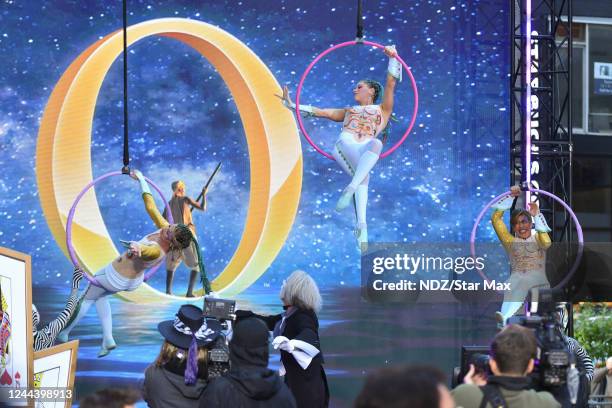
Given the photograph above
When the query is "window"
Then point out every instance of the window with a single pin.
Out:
(600, 79)
(578, 60)
(592, 199)
(577, 85)
(591, 75)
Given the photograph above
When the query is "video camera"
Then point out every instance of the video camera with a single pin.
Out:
(221, 310)
(554, 368)
(476, 355)
(554, 359)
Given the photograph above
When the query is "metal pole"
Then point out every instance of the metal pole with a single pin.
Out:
(526, 131)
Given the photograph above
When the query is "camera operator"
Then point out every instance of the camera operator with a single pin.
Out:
(249, 382)
(512, 356)
(179, 375)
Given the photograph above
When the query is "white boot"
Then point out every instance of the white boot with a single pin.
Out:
(345, 199)
(361, 233)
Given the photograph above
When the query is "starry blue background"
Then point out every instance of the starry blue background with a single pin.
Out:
(182, 121)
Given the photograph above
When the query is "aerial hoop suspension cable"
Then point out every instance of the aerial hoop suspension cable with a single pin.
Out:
(526, 131)
(526, 160)
(359, 35)
(126, 150)
(359, 40)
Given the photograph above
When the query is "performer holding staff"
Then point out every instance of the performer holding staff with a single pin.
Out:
(181, 206)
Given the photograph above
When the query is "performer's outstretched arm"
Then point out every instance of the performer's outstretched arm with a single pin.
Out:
(393, 75)
(149, 203)
(146, 252)
(269, 320)
(305, 345)
(200, 206)
(541, 227)
(500, 207)
(337, 115)
(501, 230)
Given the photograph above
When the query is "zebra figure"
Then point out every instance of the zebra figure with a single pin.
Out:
(584, 362)
(45, 337)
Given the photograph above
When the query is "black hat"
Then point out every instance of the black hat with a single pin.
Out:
(190, 320)
(249, 344)
(250, 332)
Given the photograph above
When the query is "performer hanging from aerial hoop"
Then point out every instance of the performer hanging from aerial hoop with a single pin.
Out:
(527, 252)
(126, 272)
(357, 149)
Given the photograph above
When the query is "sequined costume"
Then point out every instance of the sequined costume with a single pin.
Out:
(527, 258)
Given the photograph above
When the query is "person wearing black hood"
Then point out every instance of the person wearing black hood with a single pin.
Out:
(179, 375)
(249, 383)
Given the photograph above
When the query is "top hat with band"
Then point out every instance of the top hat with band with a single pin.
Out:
(188, 331)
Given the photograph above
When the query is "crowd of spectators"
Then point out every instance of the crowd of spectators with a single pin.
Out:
(179, 377)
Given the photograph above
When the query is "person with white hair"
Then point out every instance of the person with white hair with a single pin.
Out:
(296, 335)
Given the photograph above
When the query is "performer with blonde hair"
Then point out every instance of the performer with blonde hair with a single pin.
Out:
(180, 206)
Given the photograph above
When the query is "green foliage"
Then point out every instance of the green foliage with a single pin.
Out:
(593, 329)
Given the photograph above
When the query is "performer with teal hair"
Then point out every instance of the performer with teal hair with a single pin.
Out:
(357, 149)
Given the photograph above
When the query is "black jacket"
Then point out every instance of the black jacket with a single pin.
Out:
(515, 391)
(247, 387)
(309, 386)
(165, 389)
(248, 384)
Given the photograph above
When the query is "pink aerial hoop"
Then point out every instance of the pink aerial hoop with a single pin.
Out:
(346, 44)
(537, 191)
(72, 252)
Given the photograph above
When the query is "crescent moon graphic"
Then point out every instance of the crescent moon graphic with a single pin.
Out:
(64, 165)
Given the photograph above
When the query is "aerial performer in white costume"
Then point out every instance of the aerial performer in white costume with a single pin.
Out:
(358, 148)
(126, 273)
(527, 251)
